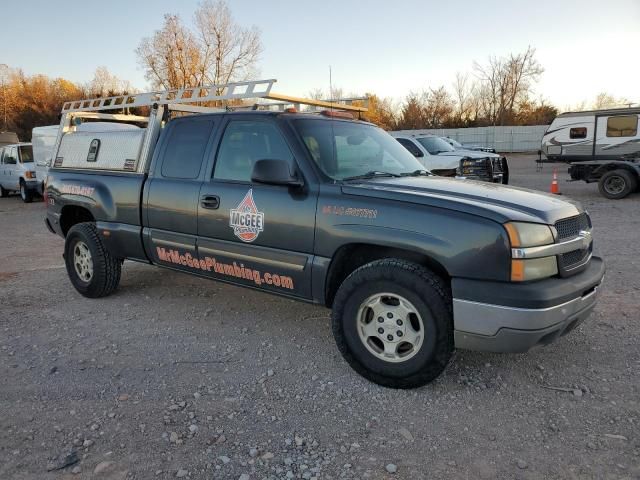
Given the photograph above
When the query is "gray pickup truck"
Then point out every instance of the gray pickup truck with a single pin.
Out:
(333, 211)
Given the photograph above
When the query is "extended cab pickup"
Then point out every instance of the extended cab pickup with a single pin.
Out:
(332, 211)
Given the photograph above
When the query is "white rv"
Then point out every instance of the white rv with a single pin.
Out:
(593, 135)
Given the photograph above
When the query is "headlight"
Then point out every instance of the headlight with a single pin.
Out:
(528, 234)
(522, 235)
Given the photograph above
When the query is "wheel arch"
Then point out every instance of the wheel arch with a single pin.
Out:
(607, 167)
(351, 256)
(71, 215)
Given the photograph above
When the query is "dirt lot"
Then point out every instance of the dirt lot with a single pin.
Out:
(175, 376)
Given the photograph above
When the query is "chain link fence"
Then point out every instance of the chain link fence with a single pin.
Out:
(503, 139)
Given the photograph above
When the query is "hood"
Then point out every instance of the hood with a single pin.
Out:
(490, 200)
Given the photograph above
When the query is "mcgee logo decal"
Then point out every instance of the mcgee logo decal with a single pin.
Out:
(247, 222)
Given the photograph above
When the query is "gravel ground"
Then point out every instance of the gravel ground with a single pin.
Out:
(176, 376)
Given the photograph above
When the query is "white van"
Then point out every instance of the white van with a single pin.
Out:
(43, 140)
(17, 171)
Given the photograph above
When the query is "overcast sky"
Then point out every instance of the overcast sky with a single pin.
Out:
(383, 47)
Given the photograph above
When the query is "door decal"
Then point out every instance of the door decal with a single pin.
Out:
(247, 222)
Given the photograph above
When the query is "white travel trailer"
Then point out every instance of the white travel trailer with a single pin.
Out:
(593, 135)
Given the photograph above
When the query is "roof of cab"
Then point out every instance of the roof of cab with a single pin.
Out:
(292, 115)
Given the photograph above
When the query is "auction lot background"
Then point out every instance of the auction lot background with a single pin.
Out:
(176, 375)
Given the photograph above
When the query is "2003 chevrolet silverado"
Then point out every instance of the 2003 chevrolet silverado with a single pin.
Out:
(324, 209)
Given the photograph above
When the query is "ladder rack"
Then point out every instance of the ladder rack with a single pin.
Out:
(211, 93)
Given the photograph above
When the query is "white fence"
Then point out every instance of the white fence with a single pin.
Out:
(503, 139)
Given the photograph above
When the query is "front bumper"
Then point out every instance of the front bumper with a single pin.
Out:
(516, 317)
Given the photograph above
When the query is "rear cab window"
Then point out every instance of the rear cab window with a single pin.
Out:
(184, 153)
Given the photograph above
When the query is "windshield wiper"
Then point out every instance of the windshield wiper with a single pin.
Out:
(371, 174)
(416, 173)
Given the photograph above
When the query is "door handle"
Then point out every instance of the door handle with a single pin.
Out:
(210, 201)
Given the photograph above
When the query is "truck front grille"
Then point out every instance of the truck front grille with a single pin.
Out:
(570, 227)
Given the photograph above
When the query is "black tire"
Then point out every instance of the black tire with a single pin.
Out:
(106, 268)
(432, 300)
(3, 192)
(25, 194)
(617, 184)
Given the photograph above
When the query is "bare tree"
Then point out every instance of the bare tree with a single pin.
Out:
(506, 81)
(463, 98)
(606, 100)
(171, 58)
(106, 84)
(229, 51)
(438, 107)
(217, 51)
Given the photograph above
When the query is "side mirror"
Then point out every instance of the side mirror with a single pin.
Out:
(274, 172)
(418, 154)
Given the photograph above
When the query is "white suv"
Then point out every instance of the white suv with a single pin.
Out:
(17, 171)
(440, 157)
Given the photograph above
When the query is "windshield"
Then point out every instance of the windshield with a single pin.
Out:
(347, 149)
(26, 154)
(435, 145)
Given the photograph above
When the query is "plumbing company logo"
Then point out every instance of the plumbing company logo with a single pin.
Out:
(247, 222)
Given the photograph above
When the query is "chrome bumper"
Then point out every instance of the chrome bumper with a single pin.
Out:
(497, 328)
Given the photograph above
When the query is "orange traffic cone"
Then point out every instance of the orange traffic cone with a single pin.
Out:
(554, 184)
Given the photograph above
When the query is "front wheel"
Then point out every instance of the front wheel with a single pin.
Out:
(93, 271)
(392, 323)
(3, 192)
(617, 184)
(25, 193)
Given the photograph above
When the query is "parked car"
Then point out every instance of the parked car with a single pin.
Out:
(490, 152)
(17, 171)
(468, 146)
(441, 158)
(325, 209)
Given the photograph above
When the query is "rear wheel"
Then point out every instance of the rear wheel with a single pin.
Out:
(93, 271)
(25, 193)
(3, 192)
(617, 184)
(392, 323)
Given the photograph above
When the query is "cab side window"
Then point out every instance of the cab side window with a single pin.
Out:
(409, 145)
(10, 156)
(185, 148)
(245, 142)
